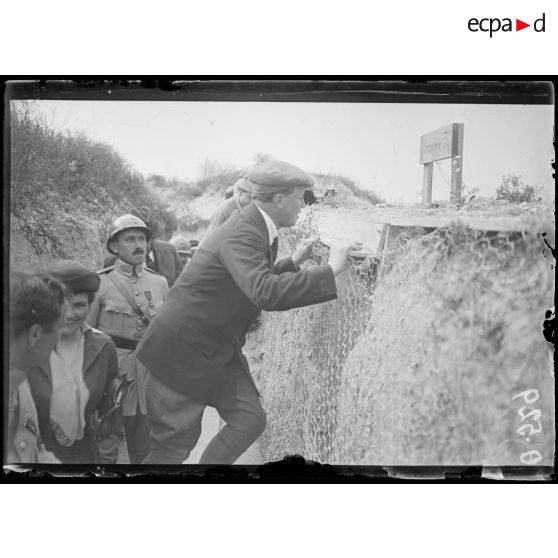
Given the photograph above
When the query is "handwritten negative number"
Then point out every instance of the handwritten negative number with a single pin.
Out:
(535, 413)
(522, 429)
(529, 396)
(531, 457)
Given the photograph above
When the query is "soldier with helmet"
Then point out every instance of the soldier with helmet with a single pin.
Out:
(160, 256)
(183, 247)
(128, 298)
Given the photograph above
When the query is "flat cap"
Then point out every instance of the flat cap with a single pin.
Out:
(275, 176)
(75, 276)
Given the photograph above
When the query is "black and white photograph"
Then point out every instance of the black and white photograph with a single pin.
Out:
(255, 273)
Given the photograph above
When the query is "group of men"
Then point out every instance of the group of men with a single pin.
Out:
(180, 350)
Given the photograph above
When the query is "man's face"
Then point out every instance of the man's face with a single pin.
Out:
(244, 198)
(42, 341)
(184, 258)
(130, 246)
(290, 206)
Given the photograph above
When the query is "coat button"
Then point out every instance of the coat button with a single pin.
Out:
(137, 293)
(22, 445)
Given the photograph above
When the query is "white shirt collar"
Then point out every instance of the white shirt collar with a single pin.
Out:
(271, 228)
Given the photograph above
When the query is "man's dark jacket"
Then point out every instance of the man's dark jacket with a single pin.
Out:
(167, 262)
(194, 344)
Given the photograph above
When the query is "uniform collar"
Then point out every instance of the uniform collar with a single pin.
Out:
(271, 228)
(127, 269)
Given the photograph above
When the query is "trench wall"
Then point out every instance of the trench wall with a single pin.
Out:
(434, 356)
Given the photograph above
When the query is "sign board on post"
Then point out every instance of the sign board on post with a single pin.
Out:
(444, 143)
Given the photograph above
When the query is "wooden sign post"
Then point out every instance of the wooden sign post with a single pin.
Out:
(444, 143)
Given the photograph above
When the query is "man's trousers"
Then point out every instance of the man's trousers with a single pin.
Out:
(136, 429)
(176, 423)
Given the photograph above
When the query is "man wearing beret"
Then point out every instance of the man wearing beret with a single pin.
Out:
(129, 296)
(193, 348)
(161, 256)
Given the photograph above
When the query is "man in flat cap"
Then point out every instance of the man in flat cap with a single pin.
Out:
(161, 256)
(129, 295)
(193, 348)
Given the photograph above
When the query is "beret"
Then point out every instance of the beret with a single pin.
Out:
(75, 276)
(275, 176)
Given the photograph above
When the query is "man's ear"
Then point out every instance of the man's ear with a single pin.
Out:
(113, 246)
(278, 200)
(34, 334)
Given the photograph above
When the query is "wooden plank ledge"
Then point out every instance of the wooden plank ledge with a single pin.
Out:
(495, 224)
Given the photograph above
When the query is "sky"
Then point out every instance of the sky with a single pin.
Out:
(376, 145)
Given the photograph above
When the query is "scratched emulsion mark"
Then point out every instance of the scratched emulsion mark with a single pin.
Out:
(549, 322)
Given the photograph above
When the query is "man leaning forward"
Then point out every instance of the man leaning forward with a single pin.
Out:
(192, 350)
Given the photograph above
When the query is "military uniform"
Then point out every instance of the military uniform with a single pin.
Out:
(24, 441)
(111, 313)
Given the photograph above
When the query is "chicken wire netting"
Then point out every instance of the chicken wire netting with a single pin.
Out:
(304, 353)
(419, 365)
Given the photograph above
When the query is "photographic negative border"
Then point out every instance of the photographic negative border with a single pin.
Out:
(331, 89)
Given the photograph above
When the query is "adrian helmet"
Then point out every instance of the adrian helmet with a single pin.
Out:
(181, 245)
(123, 223)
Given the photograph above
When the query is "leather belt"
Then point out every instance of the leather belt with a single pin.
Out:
(122, 343)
